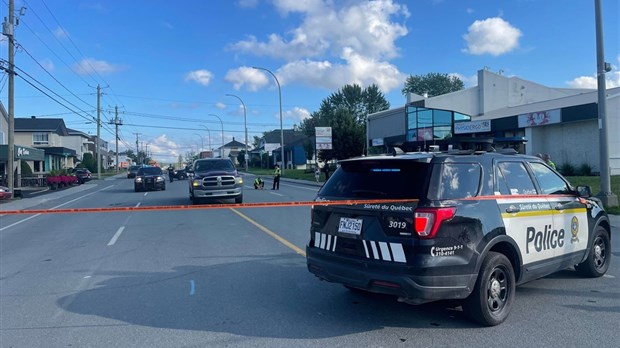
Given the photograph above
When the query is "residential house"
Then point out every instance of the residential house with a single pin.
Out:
(294, 148)
(231, 150)
(48, 135)
(79, 141)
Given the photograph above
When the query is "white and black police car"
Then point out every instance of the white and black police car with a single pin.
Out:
(463, 225)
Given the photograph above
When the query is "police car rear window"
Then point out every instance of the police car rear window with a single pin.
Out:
(455, 181)
(383, 179)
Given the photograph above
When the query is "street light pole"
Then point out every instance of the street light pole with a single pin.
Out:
(281, 129)
(202, 142)
(246, 129)
(222, 148)
(209, 132)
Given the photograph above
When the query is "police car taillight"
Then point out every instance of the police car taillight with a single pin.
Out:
(428, 220)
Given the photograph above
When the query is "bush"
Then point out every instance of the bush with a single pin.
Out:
(567, 169)
(584, 170)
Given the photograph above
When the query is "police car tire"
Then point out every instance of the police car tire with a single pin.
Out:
(484, 305)
(599, 255)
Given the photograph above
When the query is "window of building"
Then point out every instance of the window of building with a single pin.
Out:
(40, 138)
(431, 124)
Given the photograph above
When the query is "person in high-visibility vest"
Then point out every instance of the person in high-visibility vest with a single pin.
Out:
(259, 184)
(276, 178)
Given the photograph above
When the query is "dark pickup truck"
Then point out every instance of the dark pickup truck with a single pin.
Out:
(215, 178)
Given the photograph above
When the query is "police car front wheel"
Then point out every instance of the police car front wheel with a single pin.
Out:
(599, 254)
(494, 292)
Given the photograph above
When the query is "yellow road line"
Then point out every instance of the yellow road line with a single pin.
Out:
(272, 234)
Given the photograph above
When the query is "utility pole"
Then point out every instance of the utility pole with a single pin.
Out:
(606, 195)
(137, 148)
(98, 144)
(117, 122)
(8, 29)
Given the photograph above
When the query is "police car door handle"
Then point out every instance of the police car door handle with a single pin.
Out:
(513, 209)
(560, 206)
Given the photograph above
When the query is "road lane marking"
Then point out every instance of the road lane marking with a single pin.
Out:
(145, 193)
(272, 234)
(192, 288)
(277, 194)
(608, 276)
(116, 235)
(58, 206)
(137, 205)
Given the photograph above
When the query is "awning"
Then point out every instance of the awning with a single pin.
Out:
(22, 152)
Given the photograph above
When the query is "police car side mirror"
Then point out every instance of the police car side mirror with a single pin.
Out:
(584, 191)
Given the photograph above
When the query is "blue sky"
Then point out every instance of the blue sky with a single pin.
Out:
(167, 65)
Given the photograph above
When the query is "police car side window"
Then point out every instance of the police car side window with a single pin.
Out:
(517, 179)
(548, 180)
(456, 181)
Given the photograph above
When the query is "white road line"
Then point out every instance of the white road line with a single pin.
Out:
(145, 193)
(315, 189)
(116, 235)
(58, 206)
(608, 276)
(137, 205)
(277, 194)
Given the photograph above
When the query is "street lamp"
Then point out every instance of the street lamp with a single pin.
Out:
(222, 148)
(246, 129)
(281, 129)
(202, 143)
(208, 130)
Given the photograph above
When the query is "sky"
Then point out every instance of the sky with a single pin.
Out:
(169, 66)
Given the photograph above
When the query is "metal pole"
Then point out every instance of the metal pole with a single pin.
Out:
(116, 123)
(608, 197)
(281, 128)
(246, 129)
(11, 130)
(222, 148)
(202, 143)
(97, 145)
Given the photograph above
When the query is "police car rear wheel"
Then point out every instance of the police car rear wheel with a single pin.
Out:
(491, 300)
(599, 254)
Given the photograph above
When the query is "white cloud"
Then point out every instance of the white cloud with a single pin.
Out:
(251, 78)
(357, 69)
(163, 147)
(334, 45)
(469, 81)
(492, 36)
(47, 64)
(220, 105)
(202, 76)
(61, 33)
(296, 114)
(612, 79)
(248, 3)
(90, 65)
(364, 26)
(469, 10)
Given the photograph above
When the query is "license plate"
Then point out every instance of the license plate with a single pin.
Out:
(348, 225)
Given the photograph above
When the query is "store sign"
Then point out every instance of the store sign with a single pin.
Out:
(323, 138)
(377, 142)
(22, 152)
(472, 127)
(540, 118)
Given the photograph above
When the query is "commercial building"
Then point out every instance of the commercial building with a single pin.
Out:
(532, 118)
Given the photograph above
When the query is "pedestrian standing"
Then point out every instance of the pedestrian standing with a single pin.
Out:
(326, 170)
(171, 173)
(317, 173)
(276, 178)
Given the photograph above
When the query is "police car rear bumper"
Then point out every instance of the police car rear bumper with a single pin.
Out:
(398, 280)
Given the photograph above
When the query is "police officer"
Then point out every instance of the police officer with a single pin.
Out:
(259, 184)
(171, 172)
(276, 178)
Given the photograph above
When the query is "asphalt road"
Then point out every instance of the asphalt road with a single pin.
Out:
(238, 278)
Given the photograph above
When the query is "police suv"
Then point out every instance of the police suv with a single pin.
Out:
(459, 225)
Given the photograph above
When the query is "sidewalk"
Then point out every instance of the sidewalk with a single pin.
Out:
(48, 196)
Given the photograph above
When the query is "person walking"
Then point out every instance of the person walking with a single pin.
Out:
(171, 172)
(317, 173)
(276, 178)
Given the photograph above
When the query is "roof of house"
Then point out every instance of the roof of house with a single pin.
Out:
(233, 143)
(33, 124)
(290, 136)
(77, 132)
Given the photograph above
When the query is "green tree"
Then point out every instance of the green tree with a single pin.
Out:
(346, 112)
(90, 162)
(433, 84)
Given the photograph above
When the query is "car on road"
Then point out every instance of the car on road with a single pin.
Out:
(5, 193)
(215, 178)
(132, 171)
(454, 225)
(83, 175)
(149, 178)
(181, 173)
